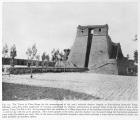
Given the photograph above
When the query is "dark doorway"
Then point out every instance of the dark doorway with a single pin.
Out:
(90, 35)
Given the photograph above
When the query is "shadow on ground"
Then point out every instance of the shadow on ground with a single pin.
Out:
(12, 91)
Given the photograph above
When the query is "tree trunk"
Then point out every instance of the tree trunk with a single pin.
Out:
(31, 73)
(31, 69)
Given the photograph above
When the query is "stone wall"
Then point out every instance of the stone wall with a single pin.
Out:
(99, 50)
(105, 67)
(78, 51)
(24, 62)
(24, 70)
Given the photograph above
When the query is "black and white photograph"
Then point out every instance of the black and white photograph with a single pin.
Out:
(85, 51)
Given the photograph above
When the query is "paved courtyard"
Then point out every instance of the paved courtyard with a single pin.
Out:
(106, 87)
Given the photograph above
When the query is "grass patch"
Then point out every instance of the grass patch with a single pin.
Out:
(12, 91)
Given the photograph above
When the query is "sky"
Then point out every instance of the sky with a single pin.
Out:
(54, 25)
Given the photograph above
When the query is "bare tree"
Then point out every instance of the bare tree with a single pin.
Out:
(34, 51)
(31, 52)
(37, 60)
(55, 54)
(66, 54)
(13, 54)
(5, 50)
(45, 59)
(136, 56)
(61, 56)
(136, 51)
(5, 54)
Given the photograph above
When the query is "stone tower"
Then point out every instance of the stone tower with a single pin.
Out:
(94, 49)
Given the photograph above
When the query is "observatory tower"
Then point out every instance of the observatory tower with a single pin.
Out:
(94, 50)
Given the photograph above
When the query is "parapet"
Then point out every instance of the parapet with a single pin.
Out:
(92, 29)
(92, 26)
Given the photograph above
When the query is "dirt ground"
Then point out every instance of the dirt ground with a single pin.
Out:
(100, 86)
(25, 92)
